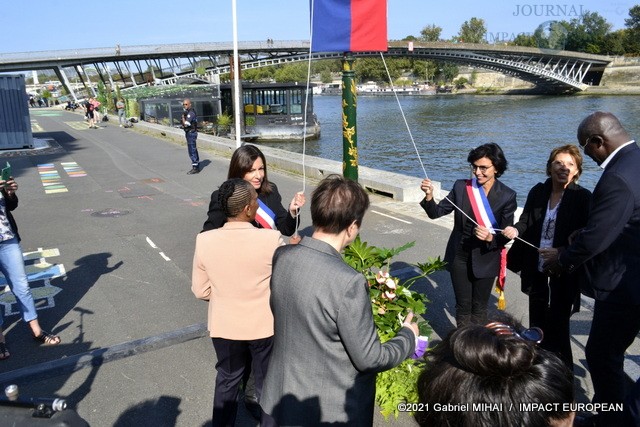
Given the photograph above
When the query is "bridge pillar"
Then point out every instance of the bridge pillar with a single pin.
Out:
(349, 128)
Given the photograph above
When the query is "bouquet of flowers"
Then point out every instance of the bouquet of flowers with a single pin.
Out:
(391, 300)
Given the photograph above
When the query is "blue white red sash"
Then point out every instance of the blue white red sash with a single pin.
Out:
(484, 216)
(480, 205)
(265, 216)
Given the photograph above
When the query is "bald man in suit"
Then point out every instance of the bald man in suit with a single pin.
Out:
(608, 249)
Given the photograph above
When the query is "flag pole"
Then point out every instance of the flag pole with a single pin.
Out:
(236, 75)
(349, 116)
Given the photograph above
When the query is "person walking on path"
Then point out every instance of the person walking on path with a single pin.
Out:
(121, 112)
(474, 252)
(231, 270)
(553, 211)
(326, 350)
(89, 110)
(607, 255)
(12, 267)
(190, 126)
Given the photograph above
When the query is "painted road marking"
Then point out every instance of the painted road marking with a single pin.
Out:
(35, 127)
(392, 217)
(154, 246)
(37, 268)
(73, 170)
(51, 179)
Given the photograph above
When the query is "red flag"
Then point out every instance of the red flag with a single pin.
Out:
(349, 25)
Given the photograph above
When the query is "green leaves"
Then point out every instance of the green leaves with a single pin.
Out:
(391, 301)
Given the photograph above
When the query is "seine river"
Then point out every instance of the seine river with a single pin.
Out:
(446, 127)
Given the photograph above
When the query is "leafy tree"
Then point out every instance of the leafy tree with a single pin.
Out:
(372, 69)
(614, 43)
(587, 33)
(291, 73)
(431, 33)
(410, 39)
(526, 40)
(632, 36)
(325, 76)
(473, 31)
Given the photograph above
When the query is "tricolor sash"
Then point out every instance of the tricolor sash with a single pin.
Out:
(265, 216)
(484, 216)
(480, 205)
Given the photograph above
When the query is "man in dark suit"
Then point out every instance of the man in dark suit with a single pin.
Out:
(326, 351)
(609, 249)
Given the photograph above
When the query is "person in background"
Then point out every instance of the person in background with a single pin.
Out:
(326, 350)
(249, 163)
(96, 109)
(189, 123)
(121, 112)
(89, 110)
(606, 253)
(498, 367)
(474, 252)
(231, 270)
(12, 267)
(553, 211)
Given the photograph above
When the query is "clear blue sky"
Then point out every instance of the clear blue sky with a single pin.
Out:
(41, 25)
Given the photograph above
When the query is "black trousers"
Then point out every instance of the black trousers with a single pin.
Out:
(472, 293)
(232, 356)
(613, 329)
(551, 303)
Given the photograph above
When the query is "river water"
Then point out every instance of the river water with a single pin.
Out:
(446, 127)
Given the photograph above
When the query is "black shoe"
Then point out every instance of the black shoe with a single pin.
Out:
(194, 170)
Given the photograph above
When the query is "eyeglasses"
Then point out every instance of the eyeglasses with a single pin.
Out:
(586, 142)
(534, 335)
(185, 105)
(482, 169)
(550, 229)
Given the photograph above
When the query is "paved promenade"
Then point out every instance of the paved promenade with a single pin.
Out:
(108, 219)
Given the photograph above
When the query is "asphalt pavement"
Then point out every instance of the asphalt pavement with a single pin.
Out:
(108, 219)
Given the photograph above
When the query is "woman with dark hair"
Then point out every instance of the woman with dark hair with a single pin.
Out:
(486, 375)
(236, 284)
(553, 211)
(474, 252)
(248, 163)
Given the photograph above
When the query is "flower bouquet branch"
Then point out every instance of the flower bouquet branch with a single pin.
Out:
(391, 300)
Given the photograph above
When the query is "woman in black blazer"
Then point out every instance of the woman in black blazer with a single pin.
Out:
(553, 211)
(248, 163)
(473, 253)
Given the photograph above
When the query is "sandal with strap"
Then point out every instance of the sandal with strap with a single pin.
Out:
(4, 351)
(46, 338)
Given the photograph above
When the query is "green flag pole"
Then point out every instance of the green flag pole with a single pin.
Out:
(349, 128)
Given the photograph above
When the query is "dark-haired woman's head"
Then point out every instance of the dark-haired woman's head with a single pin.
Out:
(498, 366)
(235, 196)
(248, 163)
(492, 152)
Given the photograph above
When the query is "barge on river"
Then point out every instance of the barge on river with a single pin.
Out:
(271, 111)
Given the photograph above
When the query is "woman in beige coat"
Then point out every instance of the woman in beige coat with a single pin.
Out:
(232, 270)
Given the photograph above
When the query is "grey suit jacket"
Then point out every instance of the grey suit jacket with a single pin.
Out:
(326, 350)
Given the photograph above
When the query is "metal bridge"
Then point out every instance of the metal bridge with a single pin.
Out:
(551, 71)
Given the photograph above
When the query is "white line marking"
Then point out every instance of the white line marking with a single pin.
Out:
(153, 245)
(392, 217)
(166, 258)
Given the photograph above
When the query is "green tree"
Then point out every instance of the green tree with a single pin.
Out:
(632, 36)
(587, 33)
(431, 33)
(472, 31)
(291, 73)
(526, 40)
(325, 76)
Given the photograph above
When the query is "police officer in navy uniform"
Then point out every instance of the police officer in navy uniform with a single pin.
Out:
(190, 126)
